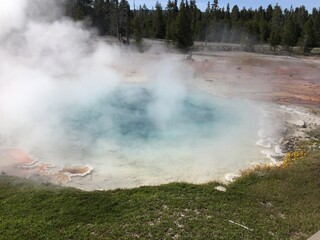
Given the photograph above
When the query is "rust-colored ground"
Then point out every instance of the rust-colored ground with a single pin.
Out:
(18, 162)
(285, 80)
(16, 156)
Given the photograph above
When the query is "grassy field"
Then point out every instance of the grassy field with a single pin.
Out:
(276, 203)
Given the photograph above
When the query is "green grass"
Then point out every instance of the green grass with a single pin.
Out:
(278, 203)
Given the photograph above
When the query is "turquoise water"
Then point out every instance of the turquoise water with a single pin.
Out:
(132, 136)
(124, 117)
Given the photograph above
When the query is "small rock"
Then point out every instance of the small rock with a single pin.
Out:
(220, 188)
(231, 177)
(301, 123)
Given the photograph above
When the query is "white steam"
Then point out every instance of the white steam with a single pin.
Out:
(51, 66)
(12, 16)
(49, 63)
(45, 65)
(168, 89)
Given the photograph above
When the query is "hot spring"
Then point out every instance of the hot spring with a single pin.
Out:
(76, 103)
(128, 142)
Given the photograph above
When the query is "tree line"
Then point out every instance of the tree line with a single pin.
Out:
(183, 23)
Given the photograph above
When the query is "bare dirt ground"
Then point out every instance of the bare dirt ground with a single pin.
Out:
(288, 88)
(280, 79)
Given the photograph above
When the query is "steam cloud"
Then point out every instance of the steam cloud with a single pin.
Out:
(50, 65)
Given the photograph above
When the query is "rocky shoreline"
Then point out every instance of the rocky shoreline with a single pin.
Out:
(299, 132)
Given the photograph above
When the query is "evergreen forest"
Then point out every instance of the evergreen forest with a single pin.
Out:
(183, 22)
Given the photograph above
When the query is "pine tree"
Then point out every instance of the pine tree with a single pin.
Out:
(276, 23)
(301, 16)
(114, 19)
(215, 6)
(196, 16)
(82, 9)
(137, 29)
(308, 38)
(215, 27)
(289, 35)
(124, 20)
(158, 22)
(147, 25)
(290, 27)
(171, 13)
(183, 33)
(235, 15)
(316, 25)
(107, 17)
(99, 16)
(269, 13)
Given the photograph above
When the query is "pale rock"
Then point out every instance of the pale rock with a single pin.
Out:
(220, 188)
(300, 123)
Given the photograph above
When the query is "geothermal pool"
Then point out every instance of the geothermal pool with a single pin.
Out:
(131, 136)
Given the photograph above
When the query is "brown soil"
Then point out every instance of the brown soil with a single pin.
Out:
(285, 80)
(81, 170)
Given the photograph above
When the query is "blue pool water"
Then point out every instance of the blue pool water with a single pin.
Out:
(133, 136)
(124, 117)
